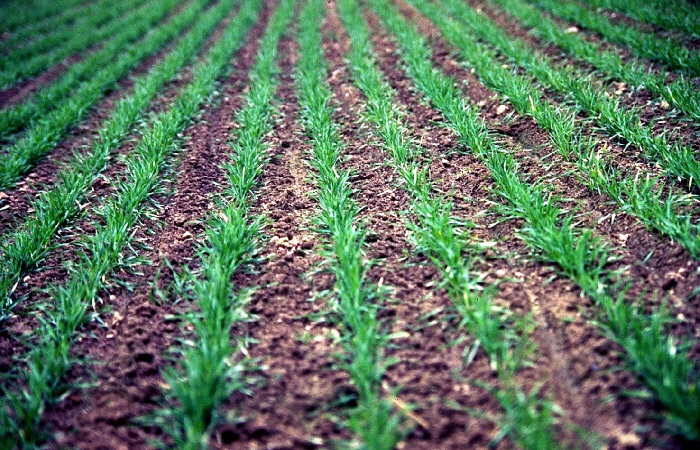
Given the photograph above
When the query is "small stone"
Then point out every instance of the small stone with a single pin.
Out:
(629, 440)
(186, 235)
(572, 30)
(664, 104)
(501, 109)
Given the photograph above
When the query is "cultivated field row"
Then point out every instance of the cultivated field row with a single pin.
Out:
(356, 223)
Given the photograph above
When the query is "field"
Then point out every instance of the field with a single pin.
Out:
(356, 224)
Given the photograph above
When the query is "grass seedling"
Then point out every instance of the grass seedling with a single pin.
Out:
(362, 334)
(664, 368)
(208, 374)
(503, 337)
(23, 249)
(47, 363)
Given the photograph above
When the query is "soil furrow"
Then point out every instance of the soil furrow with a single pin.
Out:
(296, 403)
(578, 360)
(429, 368)
(131, 343)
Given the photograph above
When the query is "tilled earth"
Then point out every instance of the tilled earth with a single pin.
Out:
(298, 395)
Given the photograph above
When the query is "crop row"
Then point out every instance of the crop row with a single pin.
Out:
(665, 50)
(24, 66)
(660, 362)
(678, 93)
(211, 368)
(20, 15)
(502, 335)
(25, 248)
(356, 300)
(656, 205)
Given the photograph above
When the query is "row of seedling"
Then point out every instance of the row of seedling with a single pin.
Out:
(661, 363)
(646, 45)
(681, 16)
(25, 66)
(23, 249)
(45, 29)
(679, 93)
(43, 135)
(675, 157)
(648, 199)
(18, 16)
(15, 117)
(527, 419)
(355, 300)
(41, 381)
(212, 368)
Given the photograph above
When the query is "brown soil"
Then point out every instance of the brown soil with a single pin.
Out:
(299, 395)
(560, 314)
(132, 346)
(16, 93)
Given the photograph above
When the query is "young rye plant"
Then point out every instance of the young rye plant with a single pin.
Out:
(502, 335)
(208, 374)
(661, 363)
(363, 337)
(34, 63)
(23, 249)
(15, 117)
(646, 45)
(49, 360)
(679, 93)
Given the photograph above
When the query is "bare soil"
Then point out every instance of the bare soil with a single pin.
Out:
(299, 394)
